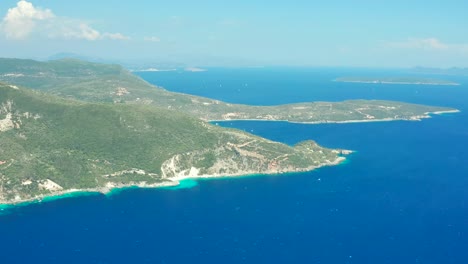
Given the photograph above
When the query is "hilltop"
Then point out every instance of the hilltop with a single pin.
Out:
(93, 82)
(51, 145)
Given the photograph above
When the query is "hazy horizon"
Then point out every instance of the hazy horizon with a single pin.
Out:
(260, 33)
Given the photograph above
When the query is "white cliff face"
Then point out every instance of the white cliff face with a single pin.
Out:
(6, 123)
(173, 168)
(13, 118)
(49, 185)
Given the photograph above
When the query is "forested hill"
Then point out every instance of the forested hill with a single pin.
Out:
(50, 145)
(95, 82)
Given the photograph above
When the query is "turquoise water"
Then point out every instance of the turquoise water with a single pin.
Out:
(401, 198)
(184, 184)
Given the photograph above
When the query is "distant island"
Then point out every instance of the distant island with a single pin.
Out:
(71, 126)
(396, 80)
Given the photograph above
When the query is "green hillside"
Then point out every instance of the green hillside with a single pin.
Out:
(111, 83)
(50, 145)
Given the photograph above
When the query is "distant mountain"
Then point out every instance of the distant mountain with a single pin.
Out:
(133, 65)
(69, 55)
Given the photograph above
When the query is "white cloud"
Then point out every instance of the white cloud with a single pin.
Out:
(26, 20)
(21, 20)
(82, 31)
(115, 36)
(152, 39)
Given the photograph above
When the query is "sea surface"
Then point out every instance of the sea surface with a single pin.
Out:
(401, 198)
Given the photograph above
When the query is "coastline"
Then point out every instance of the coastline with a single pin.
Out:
(444, 112)
(175, 181)
(78, 192)
(413, 118)
(172, 182)
(337, 161)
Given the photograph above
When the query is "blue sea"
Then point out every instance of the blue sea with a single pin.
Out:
(401, 198)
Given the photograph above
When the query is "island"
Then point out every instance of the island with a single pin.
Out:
(73, 126)
(396, 80)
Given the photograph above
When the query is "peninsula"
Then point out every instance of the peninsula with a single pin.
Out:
(50, 145)
(397, 80)
(93, 82)
(70, 125)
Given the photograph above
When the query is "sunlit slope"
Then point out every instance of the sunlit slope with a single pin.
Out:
(112, 83)
(51, 145)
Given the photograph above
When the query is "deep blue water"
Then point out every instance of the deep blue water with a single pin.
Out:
(402, 198)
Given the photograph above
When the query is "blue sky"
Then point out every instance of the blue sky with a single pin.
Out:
(361, 33)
